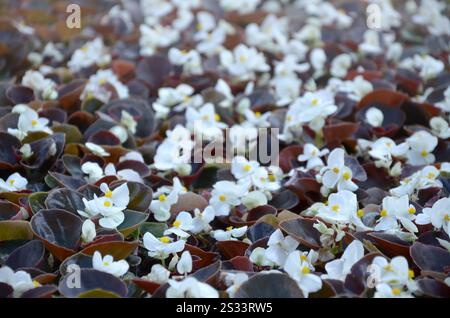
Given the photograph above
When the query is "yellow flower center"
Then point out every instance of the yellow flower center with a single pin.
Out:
(102, 81)
(34, 122)
(396, 291)
(257, 114)
(229, 228)
(162, 197)
(412, 210)
(272, 178)
(447, 217)
(242, 58)
(36, 283)
(177, 223)
(335, 208)
(289, 118)
(411, 274)
(222, 197)
(199, 26)
(183, 52)
(205, 117)
(346, 175)
(164, 239)
(11, 182)
(424, 153)
(360, 213)
(388, 268)
(303, 258)
(305, 270)
(107, 204)
(431, 175)
(84, 49)
(383, 213)
(315, 102)
(247, 168)
(314, 152)
(108, 194)
(105, 263)
(216, 117)
(336, 170)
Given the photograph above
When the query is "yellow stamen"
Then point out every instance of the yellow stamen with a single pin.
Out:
(34, 122)
(360, 213)
(177, 223)
(229, 228)
(242, 58)
(102, 81)
(305, 270)
(105, 263)
(199, 26)
(424, 153)
(11, 182)
(186, 99)
(336, 170)
(222, 198)
(164, 239)
(289, 118)
(303, 258)
(346, 175)
(315, 102)
(431, 175)
(36, 283)
(84, 49)
(272, 178)
(383, 213)
(162, 197)
(412, 210)
(447, 217)
(388, 268)
(257, 114)
(247, 168)
(216, 117)
(411, 274)
(107, 204)
(205, 117)
(108, 194)
(396, 291)
(335, 208)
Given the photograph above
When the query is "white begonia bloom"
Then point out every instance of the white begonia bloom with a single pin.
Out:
(279, 247)
(158, 274)
(445, 103)
(128, 121)
(161, 247)
(161, 206)
(440, 127)
(340, 65)
(155, 37)
(427, 66)
(181, 225)
(374, 117)
(93, 170)
(384, 149)
(311, 154)
(183, 20)
(395, 273)
(204, 122)
(97, 87)
(318, 59)
(26, 151)
(40, 85)
(88, 232)
(225, 195)
(97, 150)
(190, 287)
(339, 268)
(124, 174)
(231, 233)
(243, 168)
(396, 209)
(120, 132)
(133, 156)
(422, 144)
(243, 62)
(175, 151)
(355, 89)
(20, 281)
(178, 98)
(432, 15)
(336, 174)
(371, 43)
(300, 270)
(110, 206)
(386, 291)
(241, 6)
(184, 265)
(190, 60)
(422, 179)
(270, 35)
(201, 220)
(234, 281)
(258, 257)
(223, 88)
(15, 182)
(254, 199)
(108, 265)
(91, 53)
(29, 121)
(116, 12)
(438, 215)
(256, 119)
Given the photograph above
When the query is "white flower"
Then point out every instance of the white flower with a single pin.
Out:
(422, 144)
(161, 206)
(339, 268)
(190, 60)
(422, 179)
(88, 232)
(182, 223)
(15, 182)
(258, 257)
(336, 174)
(279, 247)
(445, 104)
(179, 98)
(438, 215)
(371, 43)
(120, 132)
(91, 53)
(204, 121)
(311, 154)
(97, 150)
(395, 273)
(270, 36)
(201, 220)
(299, 269)
(241, 6)
(190, 287)
(133, 156)
(386, 291)
(110, 206)
(396, 209)
(428, 66)
(29, 121)
(254, 199)
(243, 62)
(98, 87)
(340, 65)
(223, 88)
(20, 281)
(224, 196)
(230, 233)
(158, 274)
(41, 85)
(108, 265)
(432, 15)
(124, 174)
(384, 148)
(440, 127)
(318, 58)
(93, 170)
(26, 151)
(128, 121)
(256, 119)
(161, 248)
(156, 36)
(374, 117)
(355, 89)
(234, 281)
(184, 265)
(242, 168)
